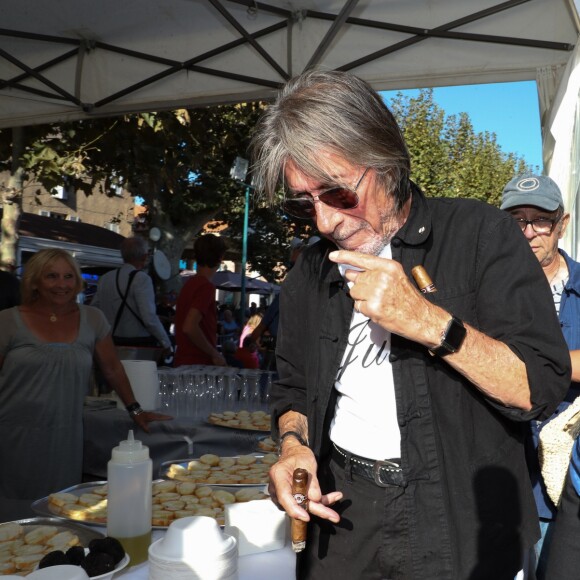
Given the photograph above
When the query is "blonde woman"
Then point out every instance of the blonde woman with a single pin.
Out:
(47, 346)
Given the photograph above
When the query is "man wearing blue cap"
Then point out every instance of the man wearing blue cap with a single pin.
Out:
(536, 204)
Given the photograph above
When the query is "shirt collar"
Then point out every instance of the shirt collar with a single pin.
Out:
(417, 228)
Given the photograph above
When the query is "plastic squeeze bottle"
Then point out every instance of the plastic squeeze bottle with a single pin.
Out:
(130, 475)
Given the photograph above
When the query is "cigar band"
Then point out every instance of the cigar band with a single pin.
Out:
(301, 500)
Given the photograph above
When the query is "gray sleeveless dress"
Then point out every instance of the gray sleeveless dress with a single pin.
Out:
(42, 389)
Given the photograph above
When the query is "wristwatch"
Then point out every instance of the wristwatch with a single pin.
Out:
(451, 338)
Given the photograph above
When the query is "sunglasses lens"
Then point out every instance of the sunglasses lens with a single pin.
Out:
(299, 207)
(338, 198)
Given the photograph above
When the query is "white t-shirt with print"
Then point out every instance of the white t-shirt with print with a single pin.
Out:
(365, 419)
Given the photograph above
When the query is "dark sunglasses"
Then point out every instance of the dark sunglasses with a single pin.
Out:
(302, 206)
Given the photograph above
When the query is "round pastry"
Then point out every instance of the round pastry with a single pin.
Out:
(270, 459)
(61, 540)
(210, 459)
(163, 487)
(10, 531)
(224, 497)
(40, 535)
(161, 517)
(26, 563)
(59, 499)
(203, 491)
(7, 568)
(186, 488)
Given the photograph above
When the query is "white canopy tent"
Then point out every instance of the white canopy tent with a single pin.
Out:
(71, 59)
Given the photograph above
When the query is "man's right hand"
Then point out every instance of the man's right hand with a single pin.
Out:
(293, 456)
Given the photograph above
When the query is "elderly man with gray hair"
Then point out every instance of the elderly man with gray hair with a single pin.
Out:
(127, 298)
(407, 409)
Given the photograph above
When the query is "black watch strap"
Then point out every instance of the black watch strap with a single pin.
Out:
(451, 339)
(295, 435)
(134, 409)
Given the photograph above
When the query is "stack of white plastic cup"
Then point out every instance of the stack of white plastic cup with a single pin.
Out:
(194, 548)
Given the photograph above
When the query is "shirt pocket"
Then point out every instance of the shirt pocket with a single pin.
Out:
(460, 301)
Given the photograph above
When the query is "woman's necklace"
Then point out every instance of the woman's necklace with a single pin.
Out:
(52, 316)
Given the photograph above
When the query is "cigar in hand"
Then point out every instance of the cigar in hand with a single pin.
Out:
(423, 280)
(299, 491)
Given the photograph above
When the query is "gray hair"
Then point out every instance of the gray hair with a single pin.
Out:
(335, 112)
(134, 249)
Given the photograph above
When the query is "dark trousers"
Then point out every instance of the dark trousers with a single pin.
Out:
(369, 543)
(563, 557)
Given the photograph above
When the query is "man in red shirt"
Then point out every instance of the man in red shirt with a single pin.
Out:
(195, 315)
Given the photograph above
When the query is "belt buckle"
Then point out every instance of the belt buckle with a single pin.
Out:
(377, 466)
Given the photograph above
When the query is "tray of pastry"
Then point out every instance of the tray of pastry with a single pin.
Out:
(245, 420)
(23, 543)
(87, 502)
(210, 469)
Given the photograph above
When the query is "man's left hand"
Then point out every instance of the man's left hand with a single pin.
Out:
(383, 292)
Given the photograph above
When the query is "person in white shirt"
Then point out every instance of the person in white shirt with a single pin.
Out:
(127, 298)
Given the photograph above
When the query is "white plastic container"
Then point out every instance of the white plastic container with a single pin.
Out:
(130, 475)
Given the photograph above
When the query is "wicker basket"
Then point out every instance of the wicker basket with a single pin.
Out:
(556, 441)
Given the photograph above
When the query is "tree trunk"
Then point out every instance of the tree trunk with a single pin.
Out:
(12, 204)
(173, 241)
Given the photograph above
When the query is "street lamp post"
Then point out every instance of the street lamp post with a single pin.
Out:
(239, 172)
(244, 255)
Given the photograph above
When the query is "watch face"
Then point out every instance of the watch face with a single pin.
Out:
(454, 335)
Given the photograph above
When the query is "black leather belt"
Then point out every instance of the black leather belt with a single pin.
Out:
(383, 473)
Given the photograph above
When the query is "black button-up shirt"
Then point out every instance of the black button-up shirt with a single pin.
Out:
(470, 506)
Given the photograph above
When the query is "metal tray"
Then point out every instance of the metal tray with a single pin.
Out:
(237, 427)
(83, 533)
(209, 420)
(42, 507)
(164, 469)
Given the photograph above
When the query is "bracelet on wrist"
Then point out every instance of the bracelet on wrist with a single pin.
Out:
(297, 436)
(134, 409)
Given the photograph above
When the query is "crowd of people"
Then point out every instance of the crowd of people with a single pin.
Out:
(416, 414)
(53, 348)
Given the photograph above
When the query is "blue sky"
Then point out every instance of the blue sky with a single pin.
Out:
(510, 110)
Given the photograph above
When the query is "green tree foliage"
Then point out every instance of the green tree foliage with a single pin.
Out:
(448, 159)
(179, 163)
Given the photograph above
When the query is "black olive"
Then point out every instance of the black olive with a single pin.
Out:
(108, 545)
(75, 555)
(97, 563)
(56, 558)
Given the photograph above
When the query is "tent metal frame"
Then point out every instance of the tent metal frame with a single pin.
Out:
(82, 46)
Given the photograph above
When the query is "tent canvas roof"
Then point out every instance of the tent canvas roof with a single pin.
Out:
(67, 59)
